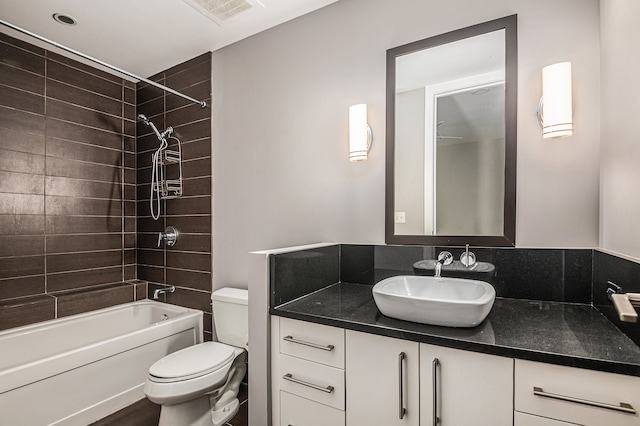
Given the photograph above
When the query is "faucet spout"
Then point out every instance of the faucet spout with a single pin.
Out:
(444, 258)
(163, 290)
(438, 269)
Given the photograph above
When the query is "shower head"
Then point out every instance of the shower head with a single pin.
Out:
(161, 136)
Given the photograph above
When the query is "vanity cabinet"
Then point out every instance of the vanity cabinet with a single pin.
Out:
(464, 388)
(382, 378)
(573, 395)
(328, 376)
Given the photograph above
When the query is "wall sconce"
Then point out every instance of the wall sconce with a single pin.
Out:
(360, 134)
(555, 107)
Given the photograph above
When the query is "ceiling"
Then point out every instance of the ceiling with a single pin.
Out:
(144, 37)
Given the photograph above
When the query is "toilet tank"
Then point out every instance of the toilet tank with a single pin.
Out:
(231, 316)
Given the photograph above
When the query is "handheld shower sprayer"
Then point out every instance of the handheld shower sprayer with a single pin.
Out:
(161, 136)
(165, 188)
(143, 118)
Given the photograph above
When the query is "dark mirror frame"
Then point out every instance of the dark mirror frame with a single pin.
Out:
(509, 24)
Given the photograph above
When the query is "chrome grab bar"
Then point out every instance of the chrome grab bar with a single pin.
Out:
(434, 367)
(327, 348)
(290, 378)
(623, 407)
(401, 410)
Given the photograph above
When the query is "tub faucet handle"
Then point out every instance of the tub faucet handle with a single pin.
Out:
(170, 235)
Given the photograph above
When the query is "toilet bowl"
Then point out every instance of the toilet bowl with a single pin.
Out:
(198, 385)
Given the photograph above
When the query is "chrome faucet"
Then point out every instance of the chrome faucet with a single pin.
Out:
(163, 290)
(444, 258)
(170, 235)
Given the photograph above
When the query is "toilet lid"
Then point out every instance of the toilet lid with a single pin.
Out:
(193, 361)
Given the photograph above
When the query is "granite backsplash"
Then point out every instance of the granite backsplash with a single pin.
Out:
(555, 275)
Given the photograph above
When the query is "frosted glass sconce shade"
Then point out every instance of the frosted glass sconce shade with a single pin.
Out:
(359, 133)
(556, 115)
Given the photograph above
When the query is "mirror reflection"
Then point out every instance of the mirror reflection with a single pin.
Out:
(450, 138)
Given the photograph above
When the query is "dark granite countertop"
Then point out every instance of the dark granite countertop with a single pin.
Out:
(559, 333)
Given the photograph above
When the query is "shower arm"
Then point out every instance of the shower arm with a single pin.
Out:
(203, 104)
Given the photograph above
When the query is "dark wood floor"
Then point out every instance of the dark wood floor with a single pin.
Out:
(146, 413)
(242, 418)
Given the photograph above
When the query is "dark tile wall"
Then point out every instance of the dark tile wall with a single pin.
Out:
(187, 265)
(67, 183)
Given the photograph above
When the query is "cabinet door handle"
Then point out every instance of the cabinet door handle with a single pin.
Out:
(290, 378)
(401, 410)
(327, 348)
(623, 407)
(434, 368)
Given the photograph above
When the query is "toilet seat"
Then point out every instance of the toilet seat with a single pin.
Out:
(192, 362)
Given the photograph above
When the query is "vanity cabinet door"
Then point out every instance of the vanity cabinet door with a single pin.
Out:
(470, 388)
(381, 381)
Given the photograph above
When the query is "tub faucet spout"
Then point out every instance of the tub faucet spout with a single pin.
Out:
(163, 290)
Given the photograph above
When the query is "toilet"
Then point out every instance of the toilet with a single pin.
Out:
(198, 385)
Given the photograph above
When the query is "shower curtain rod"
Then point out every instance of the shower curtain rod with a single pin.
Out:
(203, 104)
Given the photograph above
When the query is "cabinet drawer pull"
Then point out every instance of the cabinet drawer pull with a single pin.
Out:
(327, 348)
(401, 410)
(623, 407)
(290, 378)
(434, 369)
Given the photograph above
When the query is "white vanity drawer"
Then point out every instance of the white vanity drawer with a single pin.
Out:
(576, 395)
(522, 419)
(298, 411)
(314, 342)
(311, 380)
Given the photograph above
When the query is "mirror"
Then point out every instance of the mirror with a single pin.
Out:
(451, 138)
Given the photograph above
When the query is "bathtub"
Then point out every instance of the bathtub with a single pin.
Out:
(78, 369)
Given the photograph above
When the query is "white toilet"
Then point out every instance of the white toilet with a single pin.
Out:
(198, 385)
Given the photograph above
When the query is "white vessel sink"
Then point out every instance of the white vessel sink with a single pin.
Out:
(450, 302)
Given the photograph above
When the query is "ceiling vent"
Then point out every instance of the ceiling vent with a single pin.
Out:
(220, 11)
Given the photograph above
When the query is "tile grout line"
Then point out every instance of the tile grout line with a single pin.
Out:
(122, 182)
(44, 184)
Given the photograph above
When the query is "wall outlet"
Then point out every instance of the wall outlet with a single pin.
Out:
(400, 217)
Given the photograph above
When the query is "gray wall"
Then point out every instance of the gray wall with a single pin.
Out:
(281, 98)
(620, 137)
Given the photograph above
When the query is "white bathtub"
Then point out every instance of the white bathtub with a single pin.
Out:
(78, 369)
